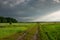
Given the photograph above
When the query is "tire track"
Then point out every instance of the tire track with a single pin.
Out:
(31, 34)
(35, 37)
(21, 37)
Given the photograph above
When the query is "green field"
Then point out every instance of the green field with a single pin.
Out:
(46, 30)
(50, 31)
(7, 29)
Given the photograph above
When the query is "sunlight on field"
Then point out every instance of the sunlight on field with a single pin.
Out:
(9, 31)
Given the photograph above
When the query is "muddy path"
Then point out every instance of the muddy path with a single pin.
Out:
(32, 34)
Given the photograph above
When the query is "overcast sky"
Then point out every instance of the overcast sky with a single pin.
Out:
(30, 10)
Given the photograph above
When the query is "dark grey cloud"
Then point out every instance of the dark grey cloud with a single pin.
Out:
(27, 10)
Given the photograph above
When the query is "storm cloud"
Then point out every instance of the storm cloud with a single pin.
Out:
(28, 10)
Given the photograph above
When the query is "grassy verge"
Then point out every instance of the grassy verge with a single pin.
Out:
(51, 31)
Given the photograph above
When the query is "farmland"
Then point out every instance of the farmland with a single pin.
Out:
(30, 31)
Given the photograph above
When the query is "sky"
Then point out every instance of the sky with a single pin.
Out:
(31, 10)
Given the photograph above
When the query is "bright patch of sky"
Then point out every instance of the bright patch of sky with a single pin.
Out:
(55, 16)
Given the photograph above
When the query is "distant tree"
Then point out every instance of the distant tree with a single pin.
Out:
(11, 20)
(2, 19)
(10, 23)
(7, 20)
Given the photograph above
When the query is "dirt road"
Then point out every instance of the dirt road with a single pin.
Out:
(31, 34)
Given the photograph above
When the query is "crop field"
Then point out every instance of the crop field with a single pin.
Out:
(50, 31)
(30, 31)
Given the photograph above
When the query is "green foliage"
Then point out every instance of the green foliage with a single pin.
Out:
(2, 20)
(7, 20)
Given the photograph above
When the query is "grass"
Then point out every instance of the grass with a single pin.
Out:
(6, 29)
(9, 31)
(51, 31)
(47, 31)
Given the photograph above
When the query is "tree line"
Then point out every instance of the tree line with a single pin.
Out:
(7, 20)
